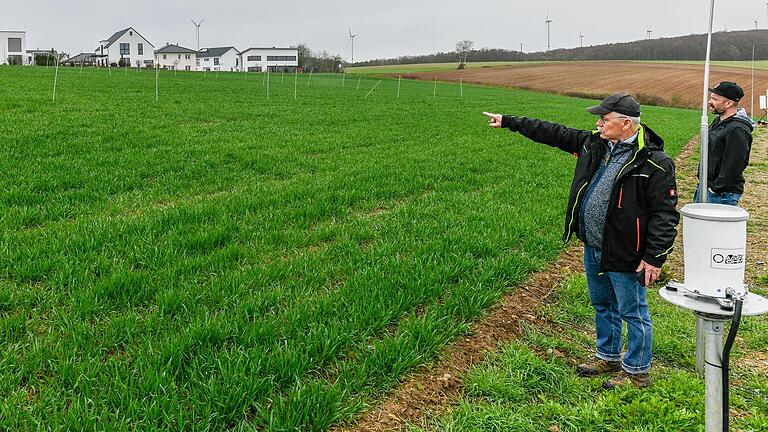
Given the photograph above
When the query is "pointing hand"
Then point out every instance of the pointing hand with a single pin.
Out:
(494, 120)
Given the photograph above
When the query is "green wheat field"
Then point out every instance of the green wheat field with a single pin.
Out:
(228, 258)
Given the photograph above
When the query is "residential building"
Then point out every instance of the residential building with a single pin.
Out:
(125, 46)
(49, 56)
(175, 57)
(218, 59)
(276, 59)
(84, 59)
(13, 45)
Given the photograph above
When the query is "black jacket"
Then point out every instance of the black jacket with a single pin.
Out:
(730, 142)
(641, 218)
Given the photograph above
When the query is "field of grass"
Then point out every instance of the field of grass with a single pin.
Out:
(528, 385)
(439, 67)
(220, 260)
(430, 67)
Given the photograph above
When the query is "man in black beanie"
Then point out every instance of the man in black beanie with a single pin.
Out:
(730, 142)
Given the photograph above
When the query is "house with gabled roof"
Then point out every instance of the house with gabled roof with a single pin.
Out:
(219, 59)
(175, 57)
(125, 47)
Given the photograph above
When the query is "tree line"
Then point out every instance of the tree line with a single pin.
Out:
(726, 45)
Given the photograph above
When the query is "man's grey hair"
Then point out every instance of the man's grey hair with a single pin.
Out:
(635, 120)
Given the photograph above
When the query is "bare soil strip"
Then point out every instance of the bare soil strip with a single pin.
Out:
(429, 392)
(665, 84)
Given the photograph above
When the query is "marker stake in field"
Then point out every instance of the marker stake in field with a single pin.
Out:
(374, 88)
(267, 83)
(434, 89)
(399, 78)
(310, 76)
(55, 80)
(157, 84)
(343, 77)
(296, 85)
(358, 82)
(461, 87)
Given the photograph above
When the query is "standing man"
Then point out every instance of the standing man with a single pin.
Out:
(730, 141)
(622, 206)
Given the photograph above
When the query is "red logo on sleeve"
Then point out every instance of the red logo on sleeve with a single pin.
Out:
(672, 192)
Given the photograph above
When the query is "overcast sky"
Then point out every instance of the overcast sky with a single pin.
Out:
(385, 28)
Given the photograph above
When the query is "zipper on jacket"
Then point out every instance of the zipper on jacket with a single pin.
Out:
(621, 195)
(575, 205)
(638, 235)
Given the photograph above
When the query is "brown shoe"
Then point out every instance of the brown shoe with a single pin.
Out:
(640, 380)
(597, 366)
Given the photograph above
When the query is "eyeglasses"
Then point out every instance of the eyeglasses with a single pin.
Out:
(607, 119)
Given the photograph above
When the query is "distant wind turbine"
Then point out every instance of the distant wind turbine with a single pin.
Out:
(755, 24)
(352, 41)
(197, 26)
(649, 31)
(549, 21)
(581, 39)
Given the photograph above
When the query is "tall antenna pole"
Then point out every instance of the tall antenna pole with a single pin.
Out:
(197, 26)
(549, 21)
(704, 117)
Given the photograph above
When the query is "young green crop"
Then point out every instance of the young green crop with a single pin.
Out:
(217, 260)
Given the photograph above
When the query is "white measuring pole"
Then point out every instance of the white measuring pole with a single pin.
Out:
(295, 85)
(374, 88)
(55, 79)
(358, 82)
(752, 91)
(399, 77)
(434, 89)
(461, 86)
(310, 76)
(267, 82)
(157, 84)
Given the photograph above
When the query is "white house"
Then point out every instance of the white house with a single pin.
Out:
(126, 45)
(176, 57)
(276, 59)
(13, 46)
(222, 58)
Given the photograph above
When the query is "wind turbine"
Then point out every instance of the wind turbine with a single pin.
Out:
(352, 41)
(581, 39)
(197, 25)
(755, 24)
(649, 31)
(548, 22)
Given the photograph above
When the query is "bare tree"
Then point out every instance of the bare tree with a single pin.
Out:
(463, 48)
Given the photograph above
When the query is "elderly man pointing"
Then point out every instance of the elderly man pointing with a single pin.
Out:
(622, 207)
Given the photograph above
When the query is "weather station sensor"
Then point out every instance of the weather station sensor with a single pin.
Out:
(715, 256)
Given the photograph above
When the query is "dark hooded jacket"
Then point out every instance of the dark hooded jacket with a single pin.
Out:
(730, 142)
(641, 218)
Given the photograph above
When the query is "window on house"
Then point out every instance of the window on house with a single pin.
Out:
(254, 58)
(179, 56)
(141, 49)
(281, 58)
(187, 68)
(130, 33)
(206, 59)
(125, 49)
(188, 56)
(216, 61)
(197, 62)
(163, 56)
(14, 44)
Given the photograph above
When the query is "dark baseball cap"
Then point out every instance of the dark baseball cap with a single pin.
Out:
(729, 90)
(621, 103)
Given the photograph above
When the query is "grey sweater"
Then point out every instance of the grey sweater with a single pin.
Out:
(594, 207)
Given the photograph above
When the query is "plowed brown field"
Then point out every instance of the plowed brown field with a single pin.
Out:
(653, 83)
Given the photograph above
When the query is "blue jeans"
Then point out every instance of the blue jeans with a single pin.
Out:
(617, 297)
(727, 198)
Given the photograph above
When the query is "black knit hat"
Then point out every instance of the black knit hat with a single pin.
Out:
(729, 90)
(621, 103)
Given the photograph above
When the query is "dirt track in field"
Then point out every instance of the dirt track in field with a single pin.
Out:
(653, 83)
